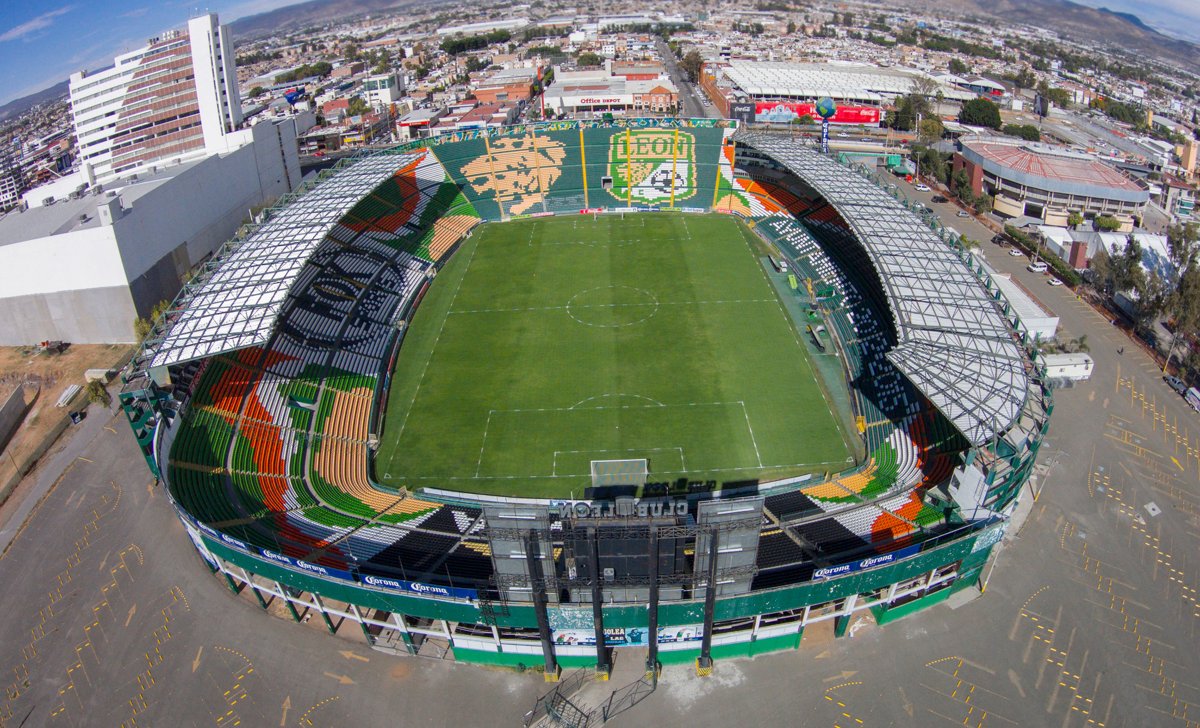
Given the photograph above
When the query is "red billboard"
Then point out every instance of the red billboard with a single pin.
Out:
(785, 111)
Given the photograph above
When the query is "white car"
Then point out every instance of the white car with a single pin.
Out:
(921, 187)
(962, 213)
(1055, 282)
(1016, 253)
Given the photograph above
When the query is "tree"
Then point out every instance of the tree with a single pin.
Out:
(358, 106)
(1101, 271)
(1028, 132)
(960, 183)
(1106, 223)
(791, 27)
(257, 91)
(97, 393)
(587, 58)
(957, 67)
(351, 53)
(691, 64)
(1074, 220)
(980, 112)
(142, 328)
(931, 128)
(983, 204)
(1025, 78)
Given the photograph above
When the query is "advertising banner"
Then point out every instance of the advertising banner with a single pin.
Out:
(785, 111)
(305, 566)
(631, 637)
(417, 588)
(830, 572)
(194, 534)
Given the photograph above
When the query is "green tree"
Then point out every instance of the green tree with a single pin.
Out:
(587, 58)
(351, 53)
(97, 393)
(358, 106)
(791, 27)
(1074, 219)
(257, 91)
(960, 183)
(931, 129)
(958, 68)
(1028, 132)
(1101, 271)
(1106, 223)
(980, 112)
(1025, 78)
(691, 64)
(983, 204)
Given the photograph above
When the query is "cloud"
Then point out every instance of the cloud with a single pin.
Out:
(135, 13)
(45, 20)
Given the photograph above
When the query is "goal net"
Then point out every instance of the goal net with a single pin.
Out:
(620, 472)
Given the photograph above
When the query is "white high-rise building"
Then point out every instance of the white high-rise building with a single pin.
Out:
(174, 99)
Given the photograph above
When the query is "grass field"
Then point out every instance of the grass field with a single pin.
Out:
(546, 344)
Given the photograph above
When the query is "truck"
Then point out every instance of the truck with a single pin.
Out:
(1193, 398)
(1075, 367)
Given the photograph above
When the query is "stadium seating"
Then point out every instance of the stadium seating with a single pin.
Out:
(273, 446)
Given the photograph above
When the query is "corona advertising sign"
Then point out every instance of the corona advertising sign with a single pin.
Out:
(652, 166)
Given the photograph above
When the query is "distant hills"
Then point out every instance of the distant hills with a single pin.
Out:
(308, 13)
(1081, 23)
(16, 107)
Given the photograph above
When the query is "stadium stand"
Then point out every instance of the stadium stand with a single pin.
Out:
(274, 440)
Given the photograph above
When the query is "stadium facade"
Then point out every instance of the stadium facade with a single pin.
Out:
(259, 397)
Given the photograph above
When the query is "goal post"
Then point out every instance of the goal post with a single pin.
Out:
(620, 472)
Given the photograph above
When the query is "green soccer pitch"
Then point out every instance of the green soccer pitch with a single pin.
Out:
(545, 344)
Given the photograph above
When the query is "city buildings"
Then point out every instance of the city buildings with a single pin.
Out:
(83, 268)
(176, 98)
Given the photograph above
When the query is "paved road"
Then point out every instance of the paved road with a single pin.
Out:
(1089, 620)
(689, 95)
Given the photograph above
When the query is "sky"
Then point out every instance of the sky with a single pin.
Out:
(43, 42)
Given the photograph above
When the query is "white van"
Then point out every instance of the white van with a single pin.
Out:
(1038, 267)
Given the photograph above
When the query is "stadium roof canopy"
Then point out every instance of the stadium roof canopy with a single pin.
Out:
(953, 344)
(839, 81)
(236, 301)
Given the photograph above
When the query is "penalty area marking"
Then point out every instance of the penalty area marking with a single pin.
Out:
(554, 466)
(653, 402)
(487, 426)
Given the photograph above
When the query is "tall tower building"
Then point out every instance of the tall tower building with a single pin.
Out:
(175, 98)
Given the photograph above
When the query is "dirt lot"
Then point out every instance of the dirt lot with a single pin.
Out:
(21, 366)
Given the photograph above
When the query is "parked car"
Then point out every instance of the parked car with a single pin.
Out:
(938, 198)
(1016, 253)
(1176, 384)
(921, 187)
(962, 213)
(1038, 267)
(1055, 282)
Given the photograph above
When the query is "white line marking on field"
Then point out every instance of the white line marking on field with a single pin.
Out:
(487, 425)
(653, 402)
(425, 369)
(610, 305)
(622, 406)
(554, 463)
(752, 438)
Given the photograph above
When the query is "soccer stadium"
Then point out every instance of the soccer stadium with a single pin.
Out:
(525, 396)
